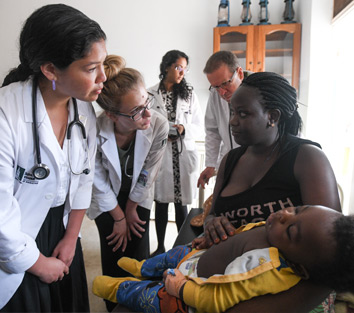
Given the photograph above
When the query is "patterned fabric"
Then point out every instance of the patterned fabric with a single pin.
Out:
(326, 306)
(151, 296)
(170, 106)
(255, 273)
(154, 267)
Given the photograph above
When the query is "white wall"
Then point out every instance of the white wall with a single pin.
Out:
(141, 31)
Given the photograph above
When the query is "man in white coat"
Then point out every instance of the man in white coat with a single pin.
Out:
(225, 76)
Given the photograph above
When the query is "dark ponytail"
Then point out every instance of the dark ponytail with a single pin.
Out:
(54, 33)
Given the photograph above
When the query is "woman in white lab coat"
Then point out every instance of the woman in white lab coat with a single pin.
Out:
(131, 141)
(177, 179)
(45, 186)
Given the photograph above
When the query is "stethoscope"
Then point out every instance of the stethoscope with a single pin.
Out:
(40, 170)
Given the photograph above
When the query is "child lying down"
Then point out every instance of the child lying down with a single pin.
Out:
(307, 242)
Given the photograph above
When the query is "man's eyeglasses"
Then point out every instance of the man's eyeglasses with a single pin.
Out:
(138, 112)
(180, 69)
(224, 84)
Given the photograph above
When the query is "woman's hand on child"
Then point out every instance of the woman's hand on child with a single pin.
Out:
(217, 229)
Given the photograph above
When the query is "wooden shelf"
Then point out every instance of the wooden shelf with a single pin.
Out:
(278, 52)
(240, 53)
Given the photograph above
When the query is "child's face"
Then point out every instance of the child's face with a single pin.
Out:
(303, 234)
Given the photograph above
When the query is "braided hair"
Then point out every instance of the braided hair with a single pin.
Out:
(278, 94)
(183, 89)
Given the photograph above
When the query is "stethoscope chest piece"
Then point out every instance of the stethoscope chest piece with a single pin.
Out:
(40, 171)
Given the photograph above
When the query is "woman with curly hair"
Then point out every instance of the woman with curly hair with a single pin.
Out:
(177, 180)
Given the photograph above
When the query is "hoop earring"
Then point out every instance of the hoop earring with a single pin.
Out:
(53, 85)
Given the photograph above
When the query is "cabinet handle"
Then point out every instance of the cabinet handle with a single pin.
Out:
(259, 63)
(250, 62)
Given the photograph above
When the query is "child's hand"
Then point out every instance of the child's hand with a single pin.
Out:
(174, 283)
(200, 243)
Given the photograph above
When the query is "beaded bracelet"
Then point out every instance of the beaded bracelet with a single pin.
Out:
(119, 220)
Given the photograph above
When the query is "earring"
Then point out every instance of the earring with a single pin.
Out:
(53, 85)
(270, 123)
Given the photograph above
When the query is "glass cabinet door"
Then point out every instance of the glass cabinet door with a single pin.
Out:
(259, 48)
(279, 51)
(239, 40)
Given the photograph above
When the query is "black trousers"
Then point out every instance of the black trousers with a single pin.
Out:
(161, 219)
(137, 248)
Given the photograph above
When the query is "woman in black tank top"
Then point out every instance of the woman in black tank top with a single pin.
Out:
(272, 169)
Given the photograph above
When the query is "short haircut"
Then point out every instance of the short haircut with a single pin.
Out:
(338, 273)
(220, 58)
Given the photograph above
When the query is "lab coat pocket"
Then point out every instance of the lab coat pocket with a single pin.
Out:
(187, 116)
(189, 145)
(191, 161)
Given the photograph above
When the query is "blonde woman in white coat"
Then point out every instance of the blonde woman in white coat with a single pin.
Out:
(42, 205)
(177, 179)
(131, 141)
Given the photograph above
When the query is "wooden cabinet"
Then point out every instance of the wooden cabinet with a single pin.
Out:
(273, 48)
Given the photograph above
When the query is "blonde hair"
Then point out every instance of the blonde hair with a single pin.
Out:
(120, 81)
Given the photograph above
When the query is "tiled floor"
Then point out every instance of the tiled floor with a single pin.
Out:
(91, 249)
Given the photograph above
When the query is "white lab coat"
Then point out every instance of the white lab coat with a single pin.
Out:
(148, 151)
(25, 202)
(218, 137)
(189, 114)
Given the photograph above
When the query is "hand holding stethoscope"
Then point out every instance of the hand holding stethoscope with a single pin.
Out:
(40, 170)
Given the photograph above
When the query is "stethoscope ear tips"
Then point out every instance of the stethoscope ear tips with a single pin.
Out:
(86, 171)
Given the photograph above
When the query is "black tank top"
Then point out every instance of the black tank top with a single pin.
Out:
(278, 188)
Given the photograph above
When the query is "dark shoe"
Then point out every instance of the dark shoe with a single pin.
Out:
(157, 252)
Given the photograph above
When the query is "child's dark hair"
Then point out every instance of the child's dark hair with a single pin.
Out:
(183, 89)
(339, 273)
(278, 94)
(54, 33)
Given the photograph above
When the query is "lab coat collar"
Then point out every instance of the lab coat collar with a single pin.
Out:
(160, 105)
(142, 146)
(109, 145)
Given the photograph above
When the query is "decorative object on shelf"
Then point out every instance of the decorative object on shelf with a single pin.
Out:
(224, 13)
(246, 13)
(289, 12)
(263, 13)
